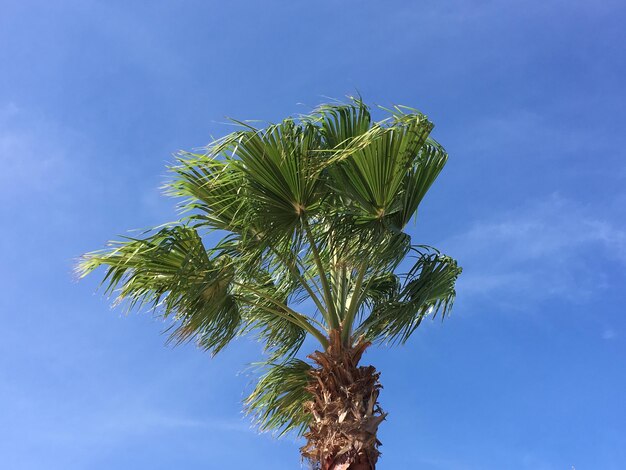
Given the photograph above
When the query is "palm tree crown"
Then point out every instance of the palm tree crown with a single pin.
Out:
(311, 209)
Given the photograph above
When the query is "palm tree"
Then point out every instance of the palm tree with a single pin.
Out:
(311, 214)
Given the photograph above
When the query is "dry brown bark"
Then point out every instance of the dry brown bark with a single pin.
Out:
(345, 410)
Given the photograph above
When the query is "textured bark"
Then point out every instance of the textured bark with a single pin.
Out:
(345, 410)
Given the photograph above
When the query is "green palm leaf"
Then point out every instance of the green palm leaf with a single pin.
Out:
(277, 402)
(171, 271)
(428, 289)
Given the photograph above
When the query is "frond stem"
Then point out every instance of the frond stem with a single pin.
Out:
(355, 300)
(333, 319)
(302, 282)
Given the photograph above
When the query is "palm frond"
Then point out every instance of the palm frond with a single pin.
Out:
(283, 169)
(171, 272)
(341, 123)
(272, 321)
(382, 289)
(370, 178)
(417, 181)
(213, 188)
(277, 402)
(428, 289)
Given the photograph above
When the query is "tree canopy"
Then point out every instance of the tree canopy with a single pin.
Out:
(314, 207)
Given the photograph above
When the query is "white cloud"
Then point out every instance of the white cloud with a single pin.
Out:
(550, 248)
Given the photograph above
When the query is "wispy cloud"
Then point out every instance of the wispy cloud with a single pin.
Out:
(73, 436)
(135, 421)
(609, 334)
(33, 152)
(108, 427)
(549, 248)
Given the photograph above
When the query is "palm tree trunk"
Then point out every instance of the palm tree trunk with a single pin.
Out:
(345, 411)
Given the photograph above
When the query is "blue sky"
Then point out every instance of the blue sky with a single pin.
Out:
(527, 97)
